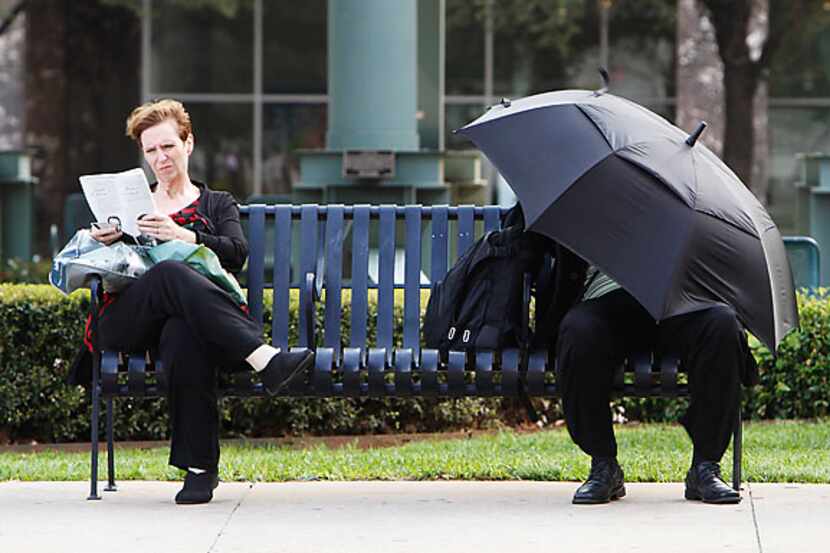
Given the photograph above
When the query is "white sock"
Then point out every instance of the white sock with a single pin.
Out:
(260, 357)
(194, 470)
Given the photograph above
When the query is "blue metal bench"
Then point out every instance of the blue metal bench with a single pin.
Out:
(329, 239)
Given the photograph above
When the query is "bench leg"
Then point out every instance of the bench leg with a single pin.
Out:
(111, 487)
(736, 454)
(93, 475)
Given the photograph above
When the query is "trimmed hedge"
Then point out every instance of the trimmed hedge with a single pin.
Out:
(796, 384)
(40, 330)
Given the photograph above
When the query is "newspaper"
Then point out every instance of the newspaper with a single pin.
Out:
(119, 198)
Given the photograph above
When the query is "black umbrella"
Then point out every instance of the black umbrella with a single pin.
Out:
(637, 197)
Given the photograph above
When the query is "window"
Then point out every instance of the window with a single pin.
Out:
(252, 74)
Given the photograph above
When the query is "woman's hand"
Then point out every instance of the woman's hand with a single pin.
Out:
(164, 228)
(106, 235)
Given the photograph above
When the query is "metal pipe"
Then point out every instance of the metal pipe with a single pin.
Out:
(736, 453)
(111, 487)
(96, 391)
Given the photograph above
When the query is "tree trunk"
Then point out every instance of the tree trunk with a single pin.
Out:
(46, 107)
(699, 76)
(82, 79)
(760, 184)
(739, 86)
(741, 29)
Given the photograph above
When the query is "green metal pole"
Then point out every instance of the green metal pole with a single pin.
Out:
(372, 68)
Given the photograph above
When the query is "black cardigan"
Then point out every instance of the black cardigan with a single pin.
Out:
(223, 231)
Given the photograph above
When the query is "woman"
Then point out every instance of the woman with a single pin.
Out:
(195, 325)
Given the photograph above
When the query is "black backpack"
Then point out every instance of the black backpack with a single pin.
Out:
(479, 302)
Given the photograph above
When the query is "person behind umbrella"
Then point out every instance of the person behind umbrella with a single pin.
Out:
(196, 326)
(639, 198)
(601, 326)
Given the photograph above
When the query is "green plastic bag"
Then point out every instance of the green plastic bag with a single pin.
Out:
(202, 259)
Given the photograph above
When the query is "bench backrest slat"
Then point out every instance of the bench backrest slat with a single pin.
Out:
(386, 276)
(440, 231)
(412, 279)
(319, 235)
(466, 228)
(282, 276)
(333, 279)
(360, 275)
(492, 218)
(308, 260)
(256, 260)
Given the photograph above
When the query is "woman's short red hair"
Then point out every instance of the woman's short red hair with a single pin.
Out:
(152, 113)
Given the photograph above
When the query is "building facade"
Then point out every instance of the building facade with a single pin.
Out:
(253, 74)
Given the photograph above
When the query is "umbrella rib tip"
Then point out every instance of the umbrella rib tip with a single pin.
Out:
(603, 72)
(692, 139)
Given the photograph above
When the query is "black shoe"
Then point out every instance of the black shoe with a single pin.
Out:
(198, 488)
(604, 483)
(704, 483)
(283, 367)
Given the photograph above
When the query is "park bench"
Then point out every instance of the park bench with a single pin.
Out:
(372, 243)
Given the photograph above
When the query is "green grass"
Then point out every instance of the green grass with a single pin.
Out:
(792, 451)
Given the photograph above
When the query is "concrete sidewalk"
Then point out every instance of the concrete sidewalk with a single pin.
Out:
(408, 516)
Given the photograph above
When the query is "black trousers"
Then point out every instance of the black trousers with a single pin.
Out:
(596, 335)
(197, 327)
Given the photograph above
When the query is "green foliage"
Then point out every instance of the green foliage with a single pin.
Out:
(40, 331)
(21, 271)
(796, 383)
(547, 40)
(544, 23)
(227, 8)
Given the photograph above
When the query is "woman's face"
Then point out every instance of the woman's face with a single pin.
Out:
(165, 152)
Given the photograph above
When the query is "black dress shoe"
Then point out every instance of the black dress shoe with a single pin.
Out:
(198, 488)
(604, 483)
(283, 367)
(704, 483)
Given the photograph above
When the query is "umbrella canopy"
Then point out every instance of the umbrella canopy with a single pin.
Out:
(620, 186)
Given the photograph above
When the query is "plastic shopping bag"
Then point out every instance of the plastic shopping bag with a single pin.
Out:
(83, 257)
(201, 258)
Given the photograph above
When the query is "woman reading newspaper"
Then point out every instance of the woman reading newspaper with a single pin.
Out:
(194, 324)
